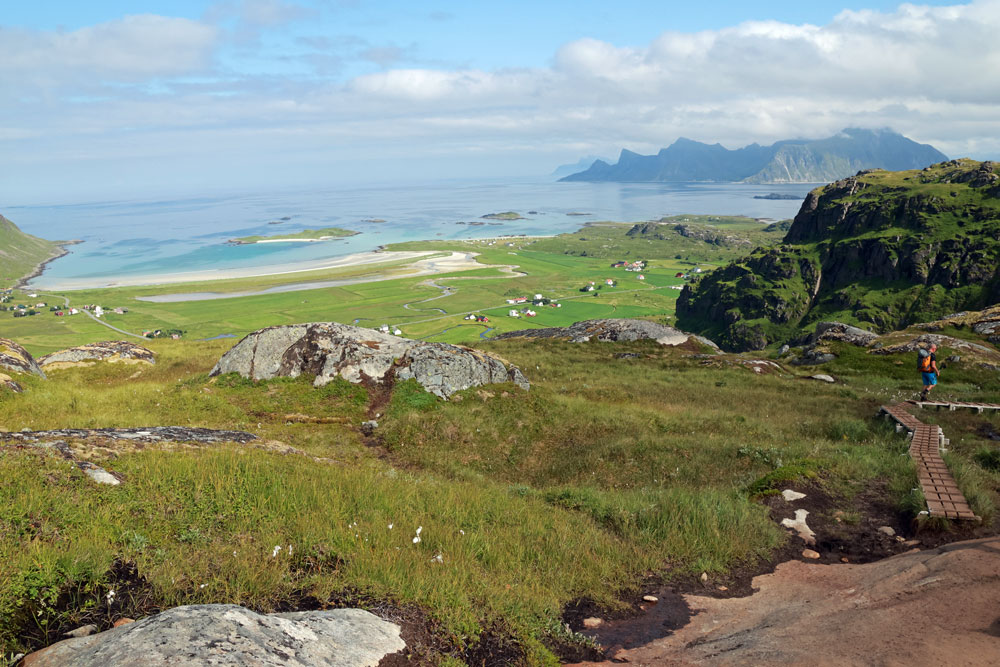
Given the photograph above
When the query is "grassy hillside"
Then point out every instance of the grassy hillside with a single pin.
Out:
(880, 250)
(607, 470)
(20, 253)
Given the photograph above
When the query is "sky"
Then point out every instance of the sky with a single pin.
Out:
(121, 99)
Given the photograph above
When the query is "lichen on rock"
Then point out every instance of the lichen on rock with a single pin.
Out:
(15, 359)
(613, 330)
(112, 351)
(329, 349)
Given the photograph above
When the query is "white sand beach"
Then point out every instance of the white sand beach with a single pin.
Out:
(356, 259)
(456, 261)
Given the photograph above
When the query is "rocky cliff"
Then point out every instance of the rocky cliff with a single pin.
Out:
(880, 250)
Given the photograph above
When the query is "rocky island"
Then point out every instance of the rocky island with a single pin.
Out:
(777, 196)
(306, 235)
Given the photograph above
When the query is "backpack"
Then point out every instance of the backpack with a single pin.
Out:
(923, 361)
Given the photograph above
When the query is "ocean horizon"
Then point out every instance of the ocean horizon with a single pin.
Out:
(148, 238)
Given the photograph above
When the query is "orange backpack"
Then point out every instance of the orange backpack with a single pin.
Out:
(924, 361)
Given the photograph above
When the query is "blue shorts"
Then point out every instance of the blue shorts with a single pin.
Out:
(930, 379)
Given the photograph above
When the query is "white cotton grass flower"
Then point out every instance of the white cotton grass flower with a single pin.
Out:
(289, 549)
(111, 596)
(390, 526)
(461, 531)
(437, 559)
(416, 540)
(274, 552)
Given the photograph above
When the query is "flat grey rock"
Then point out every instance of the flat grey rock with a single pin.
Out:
(613, 330)
(843, 332)
(329, 350)
(225, 634)
(114, 351)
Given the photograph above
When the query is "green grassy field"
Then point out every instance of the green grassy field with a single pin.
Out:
(394, 301)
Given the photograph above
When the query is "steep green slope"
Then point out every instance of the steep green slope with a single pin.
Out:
(20, 253)
(880, 249)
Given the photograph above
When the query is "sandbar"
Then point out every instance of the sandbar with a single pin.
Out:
(345, 261)
(456, 261)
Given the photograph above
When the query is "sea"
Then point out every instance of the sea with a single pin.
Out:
(142, 239)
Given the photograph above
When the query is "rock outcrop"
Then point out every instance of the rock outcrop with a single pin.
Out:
(225, 634)
(845, 333)
(885, 249)
(112, 351)
(931, 607)
(613, 330)
(15, 360)
(328, 350)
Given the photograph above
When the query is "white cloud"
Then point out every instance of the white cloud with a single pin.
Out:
(932, 73)
(128, 49)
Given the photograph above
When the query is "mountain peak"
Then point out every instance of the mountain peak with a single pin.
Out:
(790, 161)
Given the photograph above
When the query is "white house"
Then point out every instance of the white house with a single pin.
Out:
(514, 313)
(98, 311)
(397, 332)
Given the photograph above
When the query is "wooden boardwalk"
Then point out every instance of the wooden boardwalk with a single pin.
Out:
(939, 487)
(978, 407)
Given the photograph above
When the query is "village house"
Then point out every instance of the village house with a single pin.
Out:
(514, 313)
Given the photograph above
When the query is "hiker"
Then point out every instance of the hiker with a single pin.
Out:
(927, 365)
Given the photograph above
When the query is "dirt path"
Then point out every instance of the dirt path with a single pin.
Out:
(934, 607)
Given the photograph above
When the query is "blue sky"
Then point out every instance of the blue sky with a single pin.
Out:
(120, 99)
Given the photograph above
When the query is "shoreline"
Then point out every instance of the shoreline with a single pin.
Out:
(39, 269)
(377, 256)
(211, 275)
(430, 266)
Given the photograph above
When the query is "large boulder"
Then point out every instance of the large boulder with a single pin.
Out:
(14, 361)
(329, 349)
(843, 332)
(613, 330)
(225, 634)
(114, 351)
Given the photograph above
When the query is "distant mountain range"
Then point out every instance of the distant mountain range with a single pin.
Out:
(579, 165)
(789, 161)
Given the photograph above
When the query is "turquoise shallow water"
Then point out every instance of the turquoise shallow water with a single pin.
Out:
(148, 238)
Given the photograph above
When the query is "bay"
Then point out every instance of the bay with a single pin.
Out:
(137, 239)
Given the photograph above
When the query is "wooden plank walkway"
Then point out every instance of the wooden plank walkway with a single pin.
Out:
(940, 490)
(978, 407)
